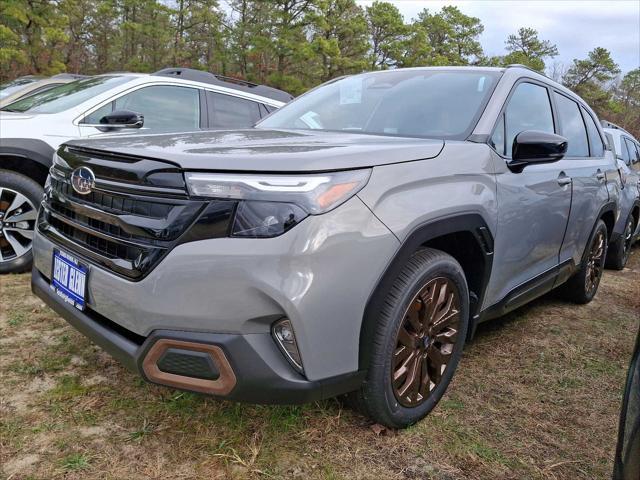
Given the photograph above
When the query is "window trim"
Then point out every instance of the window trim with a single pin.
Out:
(515, 85)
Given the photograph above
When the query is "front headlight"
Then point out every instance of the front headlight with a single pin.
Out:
(270, 205)
(315, 193)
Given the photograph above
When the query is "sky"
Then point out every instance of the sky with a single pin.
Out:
(576, 27)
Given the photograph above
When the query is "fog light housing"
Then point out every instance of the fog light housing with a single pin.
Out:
(282, 332)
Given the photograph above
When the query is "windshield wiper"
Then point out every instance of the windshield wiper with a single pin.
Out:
(8, 110)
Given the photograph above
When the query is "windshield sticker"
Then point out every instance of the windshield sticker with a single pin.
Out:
(350, 91)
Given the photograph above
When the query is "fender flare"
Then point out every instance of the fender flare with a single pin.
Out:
(472, 223)
(32, 149)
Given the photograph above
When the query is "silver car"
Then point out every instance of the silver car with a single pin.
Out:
(350, 243)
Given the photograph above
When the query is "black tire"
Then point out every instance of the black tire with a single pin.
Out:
(379, 397)
(619, 251)
(10, 183)
(582, 286)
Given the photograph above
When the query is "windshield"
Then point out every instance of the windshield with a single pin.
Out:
(9, 88)
(63, 97)
(409, 103)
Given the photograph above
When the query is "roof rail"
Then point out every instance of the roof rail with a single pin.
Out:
(608, 124)
(75, 76)
(228, 82)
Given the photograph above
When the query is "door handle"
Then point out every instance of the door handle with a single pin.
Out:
(563, 179)
(600, 175)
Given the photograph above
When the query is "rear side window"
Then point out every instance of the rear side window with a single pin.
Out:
(529, 108)
(612, 144)
(596, 146)
(572, 126)
(226, 111)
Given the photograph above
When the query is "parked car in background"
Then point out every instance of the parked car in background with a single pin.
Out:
(627, 151)
(627, 461)
(173, 99)
(351, 242)
(19, 89)
(17, 84)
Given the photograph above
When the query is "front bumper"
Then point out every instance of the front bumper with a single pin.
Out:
(228, 292)
(262, 374)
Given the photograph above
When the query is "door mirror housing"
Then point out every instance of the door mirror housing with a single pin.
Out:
(119, 119)
(532, 146)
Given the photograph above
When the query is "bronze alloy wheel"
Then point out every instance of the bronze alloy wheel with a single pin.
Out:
(425, 341)
(595, 262)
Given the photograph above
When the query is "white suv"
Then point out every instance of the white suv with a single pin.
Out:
(170, 100)
(627, 229)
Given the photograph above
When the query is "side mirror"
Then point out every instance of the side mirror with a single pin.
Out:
(123, 119)
(532, 146)
(118, 119)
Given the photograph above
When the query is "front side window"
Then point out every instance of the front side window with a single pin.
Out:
(227, 111)
(624, 151)
(595, 140)
(529, 108)
(633, 152)
(165, 107)
(573, 128)
(409, 103)
(69, 95)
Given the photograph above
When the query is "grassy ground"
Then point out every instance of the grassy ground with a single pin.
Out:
(536, 395)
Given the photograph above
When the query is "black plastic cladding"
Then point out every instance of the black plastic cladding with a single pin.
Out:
(128, 223)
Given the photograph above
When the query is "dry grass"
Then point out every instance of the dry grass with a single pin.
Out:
(536, 396)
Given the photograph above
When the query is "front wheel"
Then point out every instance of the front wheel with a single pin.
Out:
(19, 200)
(582, 287)
(421, 331)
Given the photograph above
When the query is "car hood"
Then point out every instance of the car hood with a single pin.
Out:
(269, 150)
(10, 116)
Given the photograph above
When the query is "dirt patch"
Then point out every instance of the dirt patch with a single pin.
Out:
(537, 396)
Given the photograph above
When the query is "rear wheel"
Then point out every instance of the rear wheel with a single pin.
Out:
(582, 287)
(418, 343)
(19, 200)
(619, 250)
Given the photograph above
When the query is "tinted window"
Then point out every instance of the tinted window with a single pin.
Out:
(231, 112)
(411, 103)
(63, 97)
(573, 128)
(164, 107)
(595, 140)
(529, 108)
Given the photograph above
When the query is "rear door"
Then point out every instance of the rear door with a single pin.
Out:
(533, 204)
(587, 164)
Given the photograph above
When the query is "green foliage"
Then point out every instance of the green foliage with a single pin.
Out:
(526, 48)
(290, 44)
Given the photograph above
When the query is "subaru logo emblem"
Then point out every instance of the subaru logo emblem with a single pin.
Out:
(83, 180)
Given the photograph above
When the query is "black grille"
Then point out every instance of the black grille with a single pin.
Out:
(126, 226)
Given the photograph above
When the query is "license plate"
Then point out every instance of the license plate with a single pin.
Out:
(69, 279)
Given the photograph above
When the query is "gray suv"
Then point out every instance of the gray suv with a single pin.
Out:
(350, 244)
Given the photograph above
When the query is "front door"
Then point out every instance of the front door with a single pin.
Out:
(533, 205)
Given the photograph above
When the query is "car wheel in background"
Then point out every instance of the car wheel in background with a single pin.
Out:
(620, 249)
(421, 331)
(19, 200)
(583, 285)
